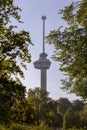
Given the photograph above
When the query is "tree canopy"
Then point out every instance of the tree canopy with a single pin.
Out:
(39, 99)
(14, 53)
(14, 46)
(71, 48)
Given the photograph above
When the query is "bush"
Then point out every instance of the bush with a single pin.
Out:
(15, 127)
(18, 127)
(2, 127)
(25, 127)
(74, 128)
(41, 127)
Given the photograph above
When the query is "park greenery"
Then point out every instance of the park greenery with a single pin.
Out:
(35, 109)
(39, 111)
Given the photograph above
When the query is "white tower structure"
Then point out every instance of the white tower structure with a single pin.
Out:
(43, 63)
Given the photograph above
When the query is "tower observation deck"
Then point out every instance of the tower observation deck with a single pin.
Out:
(43, 63)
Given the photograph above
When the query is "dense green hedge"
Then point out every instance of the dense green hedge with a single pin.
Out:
(25, 127)
(77, 129)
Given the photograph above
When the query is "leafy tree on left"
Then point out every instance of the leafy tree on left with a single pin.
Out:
(14, 47)
(10, 93)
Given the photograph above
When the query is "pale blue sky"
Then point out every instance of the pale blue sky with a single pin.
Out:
(32, 10)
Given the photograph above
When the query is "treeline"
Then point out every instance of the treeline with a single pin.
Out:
(38, 108)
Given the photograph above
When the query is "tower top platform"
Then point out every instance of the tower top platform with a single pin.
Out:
(43, 17)
(43, 62)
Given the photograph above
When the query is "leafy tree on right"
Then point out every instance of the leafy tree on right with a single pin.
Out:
(71, 48)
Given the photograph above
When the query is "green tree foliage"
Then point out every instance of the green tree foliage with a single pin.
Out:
(14, 54)
(62, 105)
(71, 48)
(38, 99)
(25, 127)
(53, 118)
(14, 46)
(44, 108)
(77, 105)
(83, 117)
(22, 112)
(10, 91)
(70, 119)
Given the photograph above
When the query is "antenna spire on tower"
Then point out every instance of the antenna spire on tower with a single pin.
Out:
(43, 18)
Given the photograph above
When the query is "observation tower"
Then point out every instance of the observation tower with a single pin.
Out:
(43, 63)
